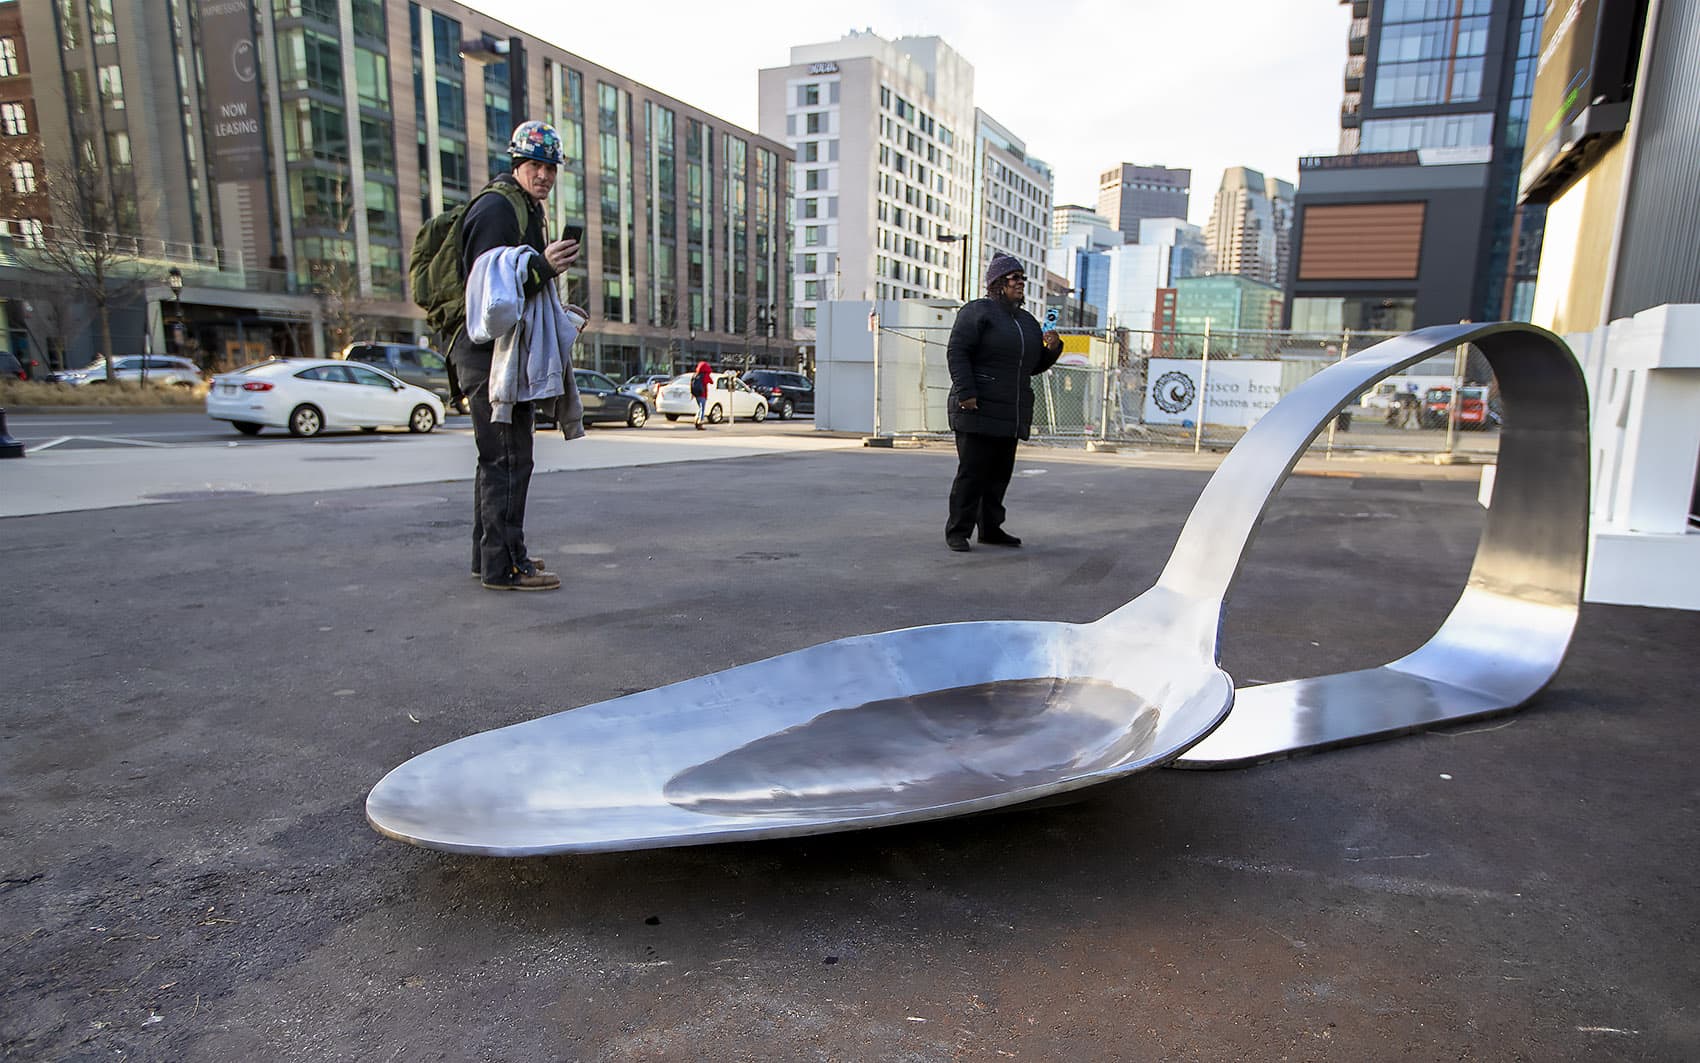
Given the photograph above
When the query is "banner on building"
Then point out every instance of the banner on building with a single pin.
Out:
(235, 141)
(1239, 392)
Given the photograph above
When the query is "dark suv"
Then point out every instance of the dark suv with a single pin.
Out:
(786, 393)
(416, 365)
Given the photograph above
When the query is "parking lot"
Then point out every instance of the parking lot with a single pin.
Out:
(199, 694)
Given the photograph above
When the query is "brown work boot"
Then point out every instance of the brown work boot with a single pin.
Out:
(530, 578)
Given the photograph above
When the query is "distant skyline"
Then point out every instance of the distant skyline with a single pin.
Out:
(1093, 83)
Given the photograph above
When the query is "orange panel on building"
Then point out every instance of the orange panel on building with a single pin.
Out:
(1361, 241)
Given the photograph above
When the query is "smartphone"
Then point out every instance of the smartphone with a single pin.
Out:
(1051, 316)
(573, 232)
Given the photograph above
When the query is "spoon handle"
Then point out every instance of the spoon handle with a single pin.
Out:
(1509, 631)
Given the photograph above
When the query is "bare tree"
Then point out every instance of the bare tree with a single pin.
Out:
(51, 318)
(336, 281)
(86, 247)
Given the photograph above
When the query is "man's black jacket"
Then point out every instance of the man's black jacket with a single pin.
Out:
(994, 349)
(490, 223)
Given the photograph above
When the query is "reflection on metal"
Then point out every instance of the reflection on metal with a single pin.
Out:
(940, 721)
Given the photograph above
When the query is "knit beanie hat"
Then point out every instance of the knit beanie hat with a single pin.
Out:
(1002, 265)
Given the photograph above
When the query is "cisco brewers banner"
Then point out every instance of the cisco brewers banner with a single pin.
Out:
(1240, 392)
(232, 97)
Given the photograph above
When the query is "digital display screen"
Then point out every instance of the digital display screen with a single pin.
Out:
(1583, 79)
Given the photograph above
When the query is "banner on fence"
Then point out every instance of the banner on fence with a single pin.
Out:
(1240, 392)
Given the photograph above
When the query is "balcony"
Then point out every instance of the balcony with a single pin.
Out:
(1355, 74)
(1358, 37)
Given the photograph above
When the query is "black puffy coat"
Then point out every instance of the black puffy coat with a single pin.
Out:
(994, 349)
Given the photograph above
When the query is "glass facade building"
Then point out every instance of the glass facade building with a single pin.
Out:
(301, 181)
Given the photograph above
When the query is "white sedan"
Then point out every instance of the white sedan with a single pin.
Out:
(674, 399)
(307, 396)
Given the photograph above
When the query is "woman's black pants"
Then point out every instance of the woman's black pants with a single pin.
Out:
(984, 465)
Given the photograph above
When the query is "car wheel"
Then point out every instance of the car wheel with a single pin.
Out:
(784, 411)
(424, 419)
(637, 414)
(671, 416)
(306, 421)
(761, 413)
(247, 428)
(716, 414)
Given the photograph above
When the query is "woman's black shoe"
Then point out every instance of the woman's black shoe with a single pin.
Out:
(959, 545)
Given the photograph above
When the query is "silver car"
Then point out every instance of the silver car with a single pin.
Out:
(162, 369)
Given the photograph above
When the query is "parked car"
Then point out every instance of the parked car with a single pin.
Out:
(675, 399)
(787, 393)
(307, 396)
(605, 400)
(11, 367)
(1472, 407)
(162, 369)
(647, 384)
(420, 366)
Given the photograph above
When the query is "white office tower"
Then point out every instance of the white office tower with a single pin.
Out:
(1250, 228)
(1168, 250)
(885, 138)
(1075, 230)
(1012, 213)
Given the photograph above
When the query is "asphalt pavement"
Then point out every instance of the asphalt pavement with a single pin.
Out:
(197, 696)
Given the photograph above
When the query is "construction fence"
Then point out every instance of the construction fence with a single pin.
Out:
(1192, 390)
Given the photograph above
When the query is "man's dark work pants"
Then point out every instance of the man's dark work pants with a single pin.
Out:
(984, 465)
(504, 470)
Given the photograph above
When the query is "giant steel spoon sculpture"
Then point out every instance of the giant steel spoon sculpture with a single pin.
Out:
(931, 722)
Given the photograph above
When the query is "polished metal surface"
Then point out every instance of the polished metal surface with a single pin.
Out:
(931, 722)
(1511, 626)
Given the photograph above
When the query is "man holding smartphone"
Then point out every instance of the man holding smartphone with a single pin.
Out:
(500, 558)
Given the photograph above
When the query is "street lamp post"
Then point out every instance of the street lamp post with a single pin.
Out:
(175, 280)
(947, 238)
(487, 48)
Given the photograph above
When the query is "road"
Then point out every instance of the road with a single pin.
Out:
(102, 428)
(97, 460)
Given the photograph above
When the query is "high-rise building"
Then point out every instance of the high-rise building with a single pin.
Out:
(1416, 221)
(1168, 250)
(885, 139)
(1012, 207)
(1129, 194)
(286, 186)
(1250, 229)
(1071, 217)
(1076, 231)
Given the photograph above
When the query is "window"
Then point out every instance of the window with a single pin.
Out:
(23, 178)
(118, 150)
(810, 208)
(809, 151)
(112, 87)
(8, 58)
(31, 231)
(814, 123)
(809, 265)
(13, 121)
(809, 95)
(372, 72)
(101, 24)
(811, 235)
(367, 377)
(812, 179)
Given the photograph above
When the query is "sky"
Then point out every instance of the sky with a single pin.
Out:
(1203, 84)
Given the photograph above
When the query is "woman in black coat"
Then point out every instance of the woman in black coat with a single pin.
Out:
(995, 347)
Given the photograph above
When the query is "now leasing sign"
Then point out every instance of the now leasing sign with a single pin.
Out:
(1237, 392)
(232, 99)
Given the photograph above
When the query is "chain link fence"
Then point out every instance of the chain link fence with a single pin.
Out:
(1200, 390)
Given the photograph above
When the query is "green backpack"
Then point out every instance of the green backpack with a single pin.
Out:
(433, 266)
